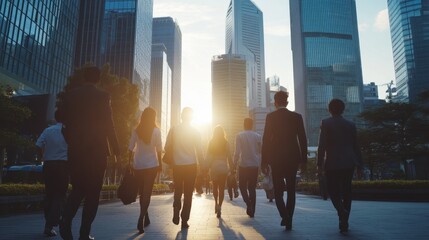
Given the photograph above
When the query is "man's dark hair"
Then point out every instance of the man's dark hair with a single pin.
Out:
(248, 124)
(336, 106)
(281, 97)
(59, 116)
(92, 74)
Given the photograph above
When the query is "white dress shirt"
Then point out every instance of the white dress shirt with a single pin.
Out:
(145, 155)
(187, 145)
(248, 149)
(53, 144)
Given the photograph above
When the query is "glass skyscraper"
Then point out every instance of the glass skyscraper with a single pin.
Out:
(118, 32)
(245, 35)
(326, 60)
(160, 88)
(167, 31)
(37, 40)
(409, 28)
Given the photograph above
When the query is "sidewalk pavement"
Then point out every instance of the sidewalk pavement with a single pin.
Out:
(313, 219)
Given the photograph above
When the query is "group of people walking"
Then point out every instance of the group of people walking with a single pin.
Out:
(79, 148)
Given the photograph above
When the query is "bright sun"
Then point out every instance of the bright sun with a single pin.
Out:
(202, 115)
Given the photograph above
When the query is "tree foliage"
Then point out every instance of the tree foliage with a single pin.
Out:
(394, 132)
(12, 116)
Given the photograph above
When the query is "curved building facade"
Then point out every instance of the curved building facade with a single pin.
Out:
(326, 59)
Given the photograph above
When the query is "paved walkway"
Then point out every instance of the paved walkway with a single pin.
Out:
(313, 219)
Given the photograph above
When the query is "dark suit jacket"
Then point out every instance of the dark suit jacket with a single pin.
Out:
(338, 148)
(284, 144)
(89, 129)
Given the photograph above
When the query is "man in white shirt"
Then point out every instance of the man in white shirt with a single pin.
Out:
(52, 149)
(248, 157)
(187, 152)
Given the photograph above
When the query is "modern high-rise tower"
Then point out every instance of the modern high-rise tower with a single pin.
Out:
(409, 28)
(167, 32)
(326, 60)
(229, 94)
(118, 33)
(160, 88)
(245, 35)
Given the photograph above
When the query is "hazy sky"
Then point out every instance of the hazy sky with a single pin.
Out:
(202, 23)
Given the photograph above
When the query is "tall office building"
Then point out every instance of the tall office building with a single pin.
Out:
(118, 32)
(229, 106)
(409, 27)
(37, 40)
(326, 60)
(245, 36)
(167, 32)
(160, 88)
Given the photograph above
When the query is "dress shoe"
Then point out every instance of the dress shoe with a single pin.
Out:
(185, 225)
(50, 232)
(65, 231)
(176, 217)
(89, 237)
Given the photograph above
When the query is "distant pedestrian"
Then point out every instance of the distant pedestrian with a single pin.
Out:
(145, 148)
(90, 134)
(248, 157)
(338, 156)
(52, 150)
(220, 162)
(284, 148)
(232, 185)
(187, 153)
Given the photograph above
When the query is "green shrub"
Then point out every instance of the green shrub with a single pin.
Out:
(36, 189)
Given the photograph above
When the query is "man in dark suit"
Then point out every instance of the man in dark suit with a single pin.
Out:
(284, 147)
(89, 131)
(338, 155)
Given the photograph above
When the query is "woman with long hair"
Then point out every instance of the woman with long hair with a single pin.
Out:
(220, 163)
(145, 148)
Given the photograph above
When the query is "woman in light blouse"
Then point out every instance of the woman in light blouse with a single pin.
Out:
(146, 147)
(220, 163)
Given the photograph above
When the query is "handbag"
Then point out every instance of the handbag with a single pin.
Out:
(169, 149)
(127, 190)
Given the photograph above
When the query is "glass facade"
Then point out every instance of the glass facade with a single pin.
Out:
(327, 64)
(160, 88)
(166, 31)
(244, 34)
(409, 28)
(118, 32)
(37, 40)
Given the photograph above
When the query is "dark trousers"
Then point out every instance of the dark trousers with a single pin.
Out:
(56, 179)
(279, 186)
(184, 182)
(232, 186)
(145, 179)
(339, 184)
(248, 176)
(87, 181)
